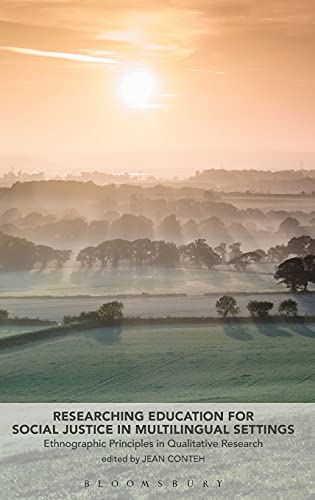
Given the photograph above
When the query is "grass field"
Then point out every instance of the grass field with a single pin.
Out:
(73, 281)
(181, 363)
(13, 330)
(146, 307)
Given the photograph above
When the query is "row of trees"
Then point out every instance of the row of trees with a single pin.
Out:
(300, 246)
(147, 252)
(165, 253)
(138, 252)
(71, 227)
(296, 272)
(227, 306)
(19, 254)
(108, 312)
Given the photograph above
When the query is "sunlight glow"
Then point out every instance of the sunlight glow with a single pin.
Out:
(136, 89)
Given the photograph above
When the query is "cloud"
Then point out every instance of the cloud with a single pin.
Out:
(147, 26)
(100, 15)
(59, 55)
(163, 30)
(165, 34)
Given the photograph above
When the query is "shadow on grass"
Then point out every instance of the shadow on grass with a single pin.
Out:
(106, 335)
(305, 301)
(272, 330)
(237, 332)
(303, 329)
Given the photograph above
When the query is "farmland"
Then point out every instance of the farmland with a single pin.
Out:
(178, 363)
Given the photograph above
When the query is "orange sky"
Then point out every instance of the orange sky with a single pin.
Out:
(231, 75)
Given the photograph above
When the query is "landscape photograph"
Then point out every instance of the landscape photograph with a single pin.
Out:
(157, 189)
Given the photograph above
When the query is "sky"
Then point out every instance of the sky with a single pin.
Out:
(233, 83)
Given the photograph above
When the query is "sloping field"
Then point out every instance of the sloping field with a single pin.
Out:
(72, 280)
(13, 330)
(178, 363)
(147, 306)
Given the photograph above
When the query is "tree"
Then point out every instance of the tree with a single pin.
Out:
(214, 229)
(61, 257)
(171, 229)
(111, 311)
(290, 226)
(235, 250)
(44, 255)
(103, 252)
(131, 227)
(277, 253)
(301, 246)
(83, 316)
(309, 266)
(200, 253)
(203, 254)
(242, 261)
(166, 254)
(143, 251)
(227, 305)
(260, 252)
(221, 250)
(288, 308)
(16, 254)
(88, 256)
(211, 259)
(259, 309)
(120, 250)
(89, 316)
(292, 273)
(3, 314)
(113, 252)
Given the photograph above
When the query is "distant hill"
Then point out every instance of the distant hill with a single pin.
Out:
(258, 181)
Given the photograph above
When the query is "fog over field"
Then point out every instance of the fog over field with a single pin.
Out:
(95, 257)
(159, 293)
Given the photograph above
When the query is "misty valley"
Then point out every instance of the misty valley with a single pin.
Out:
(111, 290)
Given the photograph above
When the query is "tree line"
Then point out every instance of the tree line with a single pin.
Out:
(184, 224)
(295, 272)
(165, 253)
(258, 309)
(19, 254)
(146, 251)
(225, 306)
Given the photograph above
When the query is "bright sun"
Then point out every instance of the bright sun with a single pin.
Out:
(136, 89)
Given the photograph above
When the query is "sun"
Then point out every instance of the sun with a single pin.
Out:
(136, 89)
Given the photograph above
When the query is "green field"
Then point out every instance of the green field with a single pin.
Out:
(181, 363)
